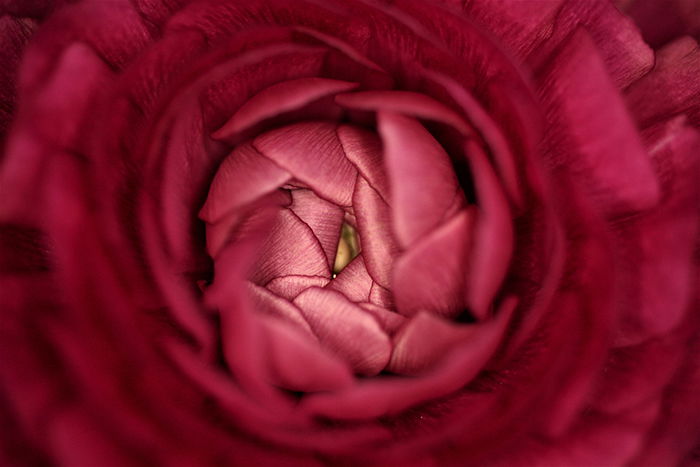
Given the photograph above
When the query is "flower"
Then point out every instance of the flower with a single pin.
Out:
(347, 232)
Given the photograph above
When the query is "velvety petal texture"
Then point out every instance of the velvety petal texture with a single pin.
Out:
(349, 232)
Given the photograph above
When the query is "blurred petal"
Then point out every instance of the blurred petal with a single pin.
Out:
(374, 398)
(587, 117)
(279, 98)
(291, 286)
(404, 102)
(297, 362)
(346, 329)
(389, 320)
(493, 236)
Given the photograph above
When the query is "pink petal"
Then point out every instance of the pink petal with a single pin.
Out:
(251, 220)
(432, 274)
(279, 98)
(493, 236)
(424, 341)
(381, 297)
(364, 149)
(325, 219)
(404, 102)
(290, 249)
(291, 286)
(269, 304)
(374, 228)
(389, 320)
(422, 179)
(346, 329)
(243, 176)
(587, 118)
(374, 398)
(297, 362)
(354, 281)
(312, 153)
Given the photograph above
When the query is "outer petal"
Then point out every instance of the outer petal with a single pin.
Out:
(587, 119)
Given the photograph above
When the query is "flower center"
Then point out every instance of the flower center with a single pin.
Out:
(348, 248)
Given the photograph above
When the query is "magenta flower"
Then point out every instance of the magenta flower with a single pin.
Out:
(349, 232)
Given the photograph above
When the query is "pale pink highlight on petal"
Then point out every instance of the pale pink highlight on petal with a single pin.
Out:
(291, 286)
(243, 176)
(346, 329)
(328, 172)
(493, 235)
(354, 281)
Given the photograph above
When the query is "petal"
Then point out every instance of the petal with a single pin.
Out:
(325, 219)
(404, 102)
(625, 54)
(364, 149)
(297, 362)
(354, 281)
(269, 304)
(291, 286)
(244, 176)
(670, 88)
(374, 228)
(290, 249)
(389, 320)
(654, 251)
(375, 398)
(380, 296)
(493, 236)
(346, 329)
(422, 179)
(587, 118)
(312, 153)
(279, 98)
(431, 275)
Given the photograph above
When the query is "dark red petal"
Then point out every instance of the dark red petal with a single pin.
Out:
(587, 117)
(278, 98)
